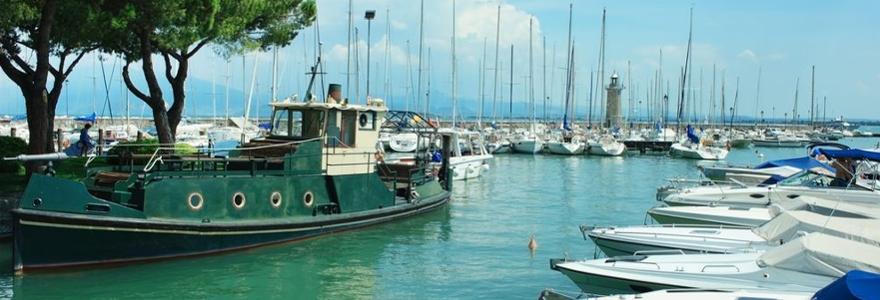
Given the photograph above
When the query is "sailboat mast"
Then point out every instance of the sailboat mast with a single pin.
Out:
(274, 73)
(544, 77)
(684, 72)
(347, 52)
(482, 85)
(758, 94)
(495, 82)
(813, 97)
(602, 68)
(531, 77)
(510, 107)
(421, 45)
(794, 111)
(454, 86)
(226, 92)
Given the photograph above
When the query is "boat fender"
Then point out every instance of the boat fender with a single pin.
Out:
(378, 156)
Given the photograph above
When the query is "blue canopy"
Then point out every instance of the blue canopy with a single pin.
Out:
(857, 154)
(87, 118)
(19, 117)
(803, 163)
(692, 136)
(855, 284)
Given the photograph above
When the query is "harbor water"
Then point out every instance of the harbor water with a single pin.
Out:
(475, 248)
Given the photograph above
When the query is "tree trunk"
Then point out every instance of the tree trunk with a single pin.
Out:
(38, 125)
(178, 87)
(160, 118)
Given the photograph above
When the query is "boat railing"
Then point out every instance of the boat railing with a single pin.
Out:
(703, 270)
(660, 252)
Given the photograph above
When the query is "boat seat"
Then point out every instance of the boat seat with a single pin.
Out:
(110, 178)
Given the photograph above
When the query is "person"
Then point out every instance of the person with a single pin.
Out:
(334, 96)
(85, 141)
(844, 173)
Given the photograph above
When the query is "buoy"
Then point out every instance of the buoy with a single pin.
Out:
(533, 244)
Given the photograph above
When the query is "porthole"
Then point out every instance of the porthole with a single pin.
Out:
(238, 200)
(308, 199)
(275, 199)
(195, 201)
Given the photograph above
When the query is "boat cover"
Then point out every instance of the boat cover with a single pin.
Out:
(822, 254)
(858, 154)
(87, 118)
(803, 163)
(788, 225)
(855, 284)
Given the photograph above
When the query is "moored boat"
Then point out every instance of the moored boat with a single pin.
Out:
(318, 172)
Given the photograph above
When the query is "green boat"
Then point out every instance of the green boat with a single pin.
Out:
(318, 172)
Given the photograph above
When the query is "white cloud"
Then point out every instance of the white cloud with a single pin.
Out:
(749, 55)
(398, 25)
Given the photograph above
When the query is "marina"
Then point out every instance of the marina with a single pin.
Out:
(254, 153)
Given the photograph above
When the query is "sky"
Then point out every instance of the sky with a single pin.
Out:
(782, 39)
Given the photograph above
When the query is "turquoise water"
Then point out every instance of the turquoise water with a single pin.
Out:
(474, 248)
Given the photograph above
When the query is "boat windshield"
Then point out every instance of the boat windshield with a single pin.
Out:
(298, 124)
(812, 179)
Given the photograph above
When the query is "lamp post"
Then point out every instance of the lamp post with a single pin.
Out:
(369, 15)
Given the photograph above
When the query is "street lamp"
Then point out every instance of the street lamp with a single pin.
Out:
(369, 15)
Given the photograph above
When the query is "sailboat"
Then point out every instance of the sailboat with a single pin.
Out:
(691, 147)
(528, 141)
(567, 143)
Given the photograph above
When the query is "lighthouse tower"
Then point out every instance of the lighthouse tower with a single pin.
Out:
(612, 108)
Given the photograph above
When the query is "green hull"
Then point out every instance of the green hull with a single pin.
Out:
(50, 240)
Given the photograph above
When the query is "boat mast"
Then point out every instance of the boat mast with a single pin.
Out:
(482, 86)
(250, 97)
(684, 72)
(531, 78)
(454, 86)
(411, 95)
(813, 98)
(226, 92)
(568, 67)
(544, 77)
(347, 52)
(797, 84)
(428, 91)
(735, 100)
(602, 68)
(590, 109)
(388, 83)
(421, 45)
(510, 107)
(495, 82)
(274, 73)
(758, 95)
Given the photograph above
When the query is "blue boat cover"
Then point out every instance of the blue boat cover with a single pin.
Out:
(803, 163)
(87, 118)
(855, 284)
(692, 136)
(858, 154)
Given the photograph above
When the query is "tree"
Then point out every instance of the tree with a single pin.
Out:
(177, 30)
(63, 30)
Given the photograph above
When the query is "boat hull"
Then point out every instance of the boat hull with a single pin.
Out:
(561, 148)
(52, 239)
(598, 284)
(527, 146)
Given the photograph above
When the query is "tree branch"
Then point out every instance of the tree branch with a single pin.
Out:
(76, 61)
(196, 49)
(14, 74)
(134, 90)
(25, 67)
(168, 67)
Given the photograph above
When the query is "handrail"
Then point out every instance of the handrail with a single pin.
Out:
(703, 270)
(656, 252)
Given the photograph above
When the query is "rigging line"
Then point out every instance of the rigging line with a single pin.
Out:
(107, 85)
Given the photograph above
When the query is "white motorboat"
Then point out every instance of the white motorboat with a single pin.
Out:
(406, 142)
(689, 149)
(685, 294)
(787, 226)
(765, 173)
(566, 145)
(806, 264)
(606, 145)
(814, 183)
(755, 216)
(779, 139)
(469, 157)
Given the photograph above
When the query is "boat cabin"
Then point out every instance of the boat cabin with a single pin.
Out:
(349, 132)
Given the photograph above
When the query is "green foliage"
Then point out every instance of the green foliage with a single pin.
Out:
(149, 147)
(9, 147)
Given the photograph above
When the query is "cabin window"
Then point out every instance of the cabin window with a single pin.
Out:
(298, 124)
(367, 120)
(348, 130)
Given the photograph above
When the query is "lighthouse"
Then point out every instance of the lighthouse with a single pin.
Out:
(612, 107)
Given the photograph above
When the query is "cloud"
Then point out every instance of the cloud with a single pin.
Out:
(398, 25)
(749, 55)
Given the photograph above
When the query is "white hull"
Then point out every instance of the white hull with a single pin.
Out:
(697, 152)
(708, 215)
(528, 146)
(563, 148)
(607, 149)
(469, 167)
(778, 143)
